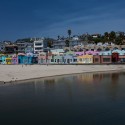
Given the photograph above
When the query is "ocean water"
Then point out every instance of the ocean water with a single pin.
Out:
(79, 99)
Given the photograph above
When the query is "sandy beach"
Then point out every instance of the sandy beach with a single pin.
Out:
(10, 73)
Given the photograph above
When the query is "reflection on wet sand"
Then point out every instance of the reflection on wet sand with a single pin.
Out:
(49, 83)
(90, 78)
(73, 83)
(115, 78)
(114, 87)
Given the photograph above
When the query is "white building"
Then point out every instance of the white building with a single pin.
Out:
(38, 46)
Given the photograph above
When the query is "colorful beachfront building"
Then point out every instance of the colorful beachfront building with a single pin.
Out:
(21, 58)
(8, 60)
(3, 59)
(70, 57)
(85, 59)
(57, 56)
(96, 57)
(29, 57)
(42, 59)
(45, 58)
(106, 53)
(57, 59)
(105, 57)
(0, 58)
(15, 59)
(118, 55)
(25, 58)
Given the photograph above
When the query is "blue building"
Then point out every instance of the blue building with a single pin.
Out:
(2, 59)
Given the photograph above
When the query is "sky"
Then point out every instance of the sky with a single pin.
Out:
(50, 18)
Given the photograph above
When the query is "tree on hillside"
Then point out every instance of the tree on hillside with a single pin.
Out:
(106, 36)
(97, 40)
(122, 36)
(89, 39)
(112, 36)
(118, 41)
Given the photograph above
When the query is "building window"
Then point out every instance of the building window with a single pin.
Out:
(39, 48)
(80, 60)
(106, 59)
(87, 60)
(74, 60)
(52, 60)
(38, 44)
(96, 59)
(58, 60)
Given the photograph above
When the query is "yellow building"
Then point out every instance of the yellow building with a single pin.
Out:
(85, 59)
(8, 61)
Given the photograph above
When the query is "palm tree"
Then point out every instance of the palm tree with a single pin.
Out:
(67, 43)
(69, 33)
(58, 37)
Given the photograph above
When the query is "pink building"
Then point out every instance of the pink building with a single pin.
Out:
(92, 53)
(44, 58)
(14, 59)
(79, 53)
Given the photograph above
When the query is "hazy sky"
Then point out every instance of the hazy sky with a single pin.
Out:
(50, 18)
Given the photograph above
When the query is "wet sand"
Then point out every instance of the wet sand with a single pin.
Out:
(9, 73)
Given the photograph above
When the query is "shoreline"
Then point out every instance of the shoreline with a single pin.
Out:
(16, 73)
